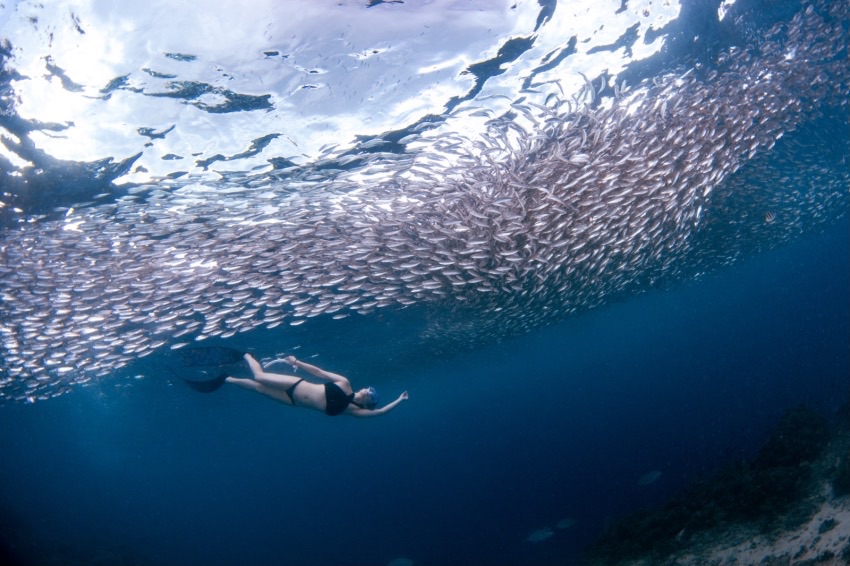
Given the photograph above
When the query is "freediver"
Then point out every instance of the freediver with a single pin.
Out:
(335, 397)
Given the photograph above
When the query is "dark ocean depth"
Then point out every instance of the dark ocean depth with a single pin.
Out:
(493, 445)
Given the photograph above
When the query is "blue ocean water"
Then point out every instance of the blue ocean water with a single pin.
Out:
(613, 410)
(492, 445)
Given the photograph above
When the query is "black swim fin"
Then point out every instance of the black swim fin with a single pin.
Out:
(206, 385)
(204, 368)
(208, 356)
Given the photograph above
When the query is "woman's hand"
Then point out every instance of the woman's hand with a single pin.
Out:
(291, 361)
(403, 396)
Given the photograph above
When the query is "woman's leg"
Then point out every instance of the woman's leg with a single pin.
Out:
(272, 380)
(275, 394)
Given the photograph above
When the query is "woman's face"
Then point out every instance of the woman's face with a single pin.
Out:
(363, 397)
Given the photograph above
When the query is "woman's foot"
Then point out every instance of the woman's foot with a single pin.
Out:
(255, 366)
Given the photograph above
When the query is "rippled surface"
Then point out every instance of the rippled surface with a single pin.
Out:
(175, 174)
(189, 85)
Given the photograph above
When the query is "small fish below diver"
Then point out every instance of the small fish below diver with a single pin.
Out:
(539, 535)
(649, 478)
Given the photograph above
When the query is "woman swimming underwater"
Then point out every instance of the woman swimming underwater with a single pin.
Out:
(334, 397)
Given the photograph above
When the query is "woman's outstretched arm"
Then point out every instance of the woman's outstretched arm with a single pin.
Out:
(357, 412)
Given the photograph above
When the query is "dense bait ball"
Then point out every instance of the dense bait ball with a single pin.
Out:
(525, 226)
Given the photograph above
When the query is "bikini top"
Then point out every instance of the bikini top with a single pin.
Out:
(336, 401)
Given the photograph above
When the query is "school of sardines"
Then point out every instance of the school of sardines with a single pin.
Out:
(560, 207)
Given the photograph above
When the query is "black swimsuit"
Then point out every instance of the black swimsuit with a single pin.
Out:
(336, 401)
(289, 392)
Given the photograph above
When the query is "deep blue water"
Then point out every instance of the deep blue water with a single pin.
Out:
(558, 424)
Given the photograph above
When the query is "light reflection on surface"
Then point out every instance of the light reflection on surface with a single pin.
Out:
(164, 79)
